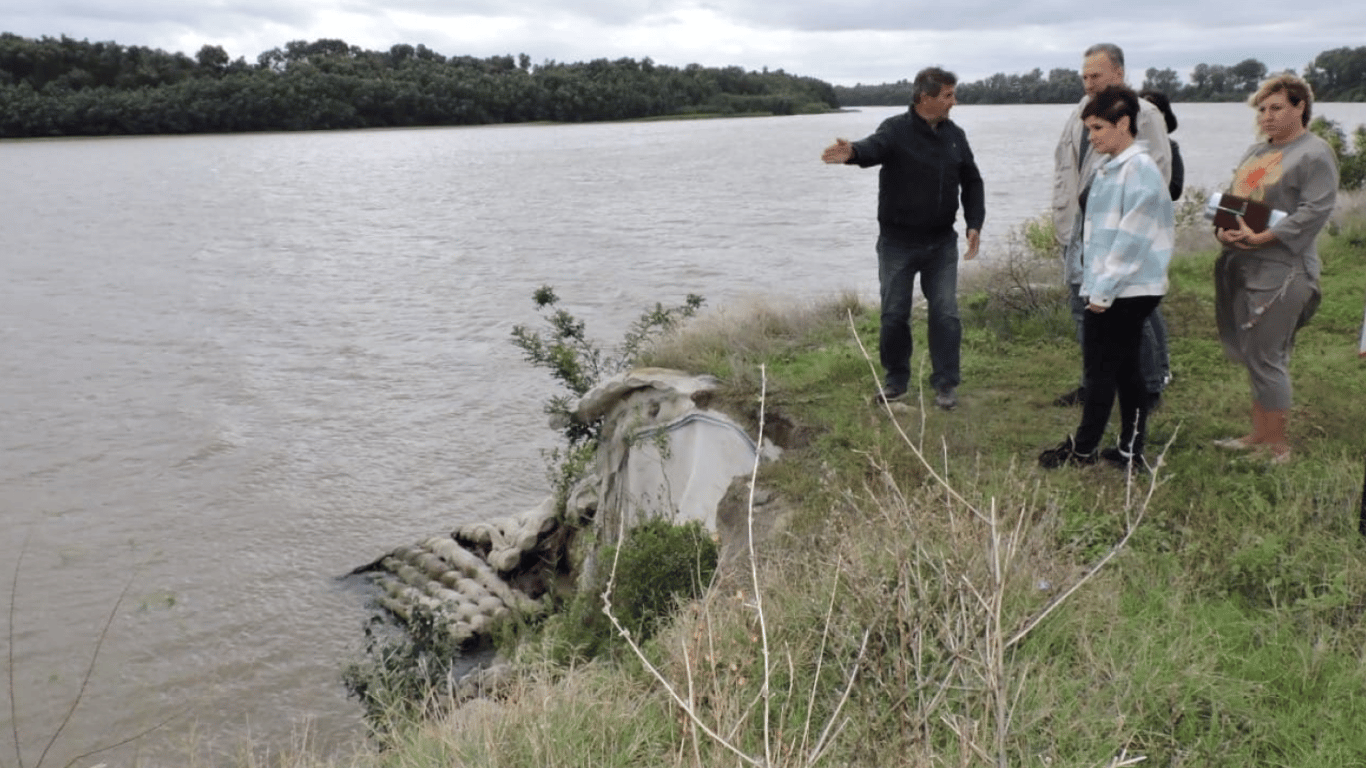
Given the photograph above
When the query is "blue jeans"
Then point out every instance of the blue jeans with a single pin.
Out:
(937, 265)
(1154, 365)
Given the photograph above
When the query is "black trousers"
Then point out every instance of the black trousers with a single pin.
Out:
(1110, 358)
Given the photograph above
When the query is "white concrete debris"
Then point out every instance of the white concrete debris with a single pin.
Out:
(661, 454)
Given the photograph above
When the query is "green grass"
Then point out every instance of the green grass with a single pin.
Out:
(1228, 631)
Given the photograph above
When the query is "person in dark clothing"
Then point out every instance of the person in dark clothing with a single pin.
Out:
(1159, 99)
(926, 166)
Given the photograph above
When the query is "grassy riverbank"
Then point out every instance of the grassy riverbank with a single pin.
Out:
(1227, 631)
(918, 610)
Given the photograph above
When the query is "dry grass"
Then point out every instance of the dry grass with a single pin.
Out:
(944, 606)
(748, 330)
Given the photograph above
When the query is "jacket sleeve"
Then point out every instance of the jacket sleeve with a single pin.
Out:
(874, 149)
(1178, 182)
(1140, 209)
(973, 192)
(1065, 180)
(1317, 173)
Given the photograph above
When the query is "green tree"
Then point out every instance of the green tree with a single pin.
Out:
(1338, 74)
(212, 59)
(1164, 80)
(1246, 75)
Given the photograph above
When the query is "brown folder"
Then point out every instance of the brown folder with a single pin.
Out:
(1231, 206)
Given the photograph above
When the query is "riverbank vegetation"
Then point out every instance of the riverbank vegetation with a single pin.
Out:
(936, 599)
(65, 87)
(1336, 75)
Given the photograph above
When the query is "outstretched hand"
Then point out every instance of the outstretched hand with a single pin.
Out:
(839, 152)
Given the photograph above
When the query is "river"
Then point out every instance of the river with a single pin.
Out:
(234, 367)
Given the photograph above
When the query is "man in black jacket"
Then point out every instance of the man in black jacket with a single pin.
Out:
(926, 165)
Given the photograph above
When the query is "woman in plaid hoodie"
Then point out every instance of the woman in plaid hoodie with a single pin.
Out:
(1127, 245)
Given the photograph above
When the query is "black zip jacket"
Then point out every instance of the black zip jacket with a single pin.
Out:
(922, 171)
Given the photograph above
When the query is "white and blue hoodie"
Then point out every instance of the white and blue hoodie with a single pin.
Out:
(1129, 230)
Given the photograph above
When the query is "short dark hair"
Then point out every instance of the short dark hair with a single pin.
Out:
(930, 81)
(1111, 104)
(1160, 100)
(1112, 51)
(1296, 92)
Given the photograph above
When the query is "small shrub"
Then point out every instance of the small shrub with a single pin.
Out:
(1025, 285)
(578, 362)
(407, 674)
(660, 565)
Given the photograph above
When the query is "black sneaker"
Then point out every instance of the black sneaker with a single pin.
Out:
(889, 394)
(1154, 401)
(946, 398)
(1065, 454)
(1121, 460)
(1069, 399)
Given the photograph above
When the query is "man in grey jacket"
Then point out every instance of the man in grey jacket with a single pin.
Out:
(1073, 165)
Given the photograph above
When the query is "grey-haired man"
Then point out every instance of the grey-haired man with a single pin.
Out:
(1073, 165)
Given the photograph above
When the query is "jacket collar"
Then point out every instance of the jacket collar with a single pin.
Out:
(1123, 157)
(923, 125)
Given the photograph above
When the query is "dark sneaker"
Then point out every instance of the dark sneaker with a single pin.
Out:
(889, 394)
(1069, 399)
(1065, 454)
(1121, 460)
(1154, 401)
(946, 398)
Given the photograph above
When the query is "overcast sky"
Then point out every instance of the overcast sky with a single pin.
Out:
(840, 41)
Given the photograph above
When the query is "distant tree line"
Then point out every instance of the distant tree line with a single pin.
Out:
(1336, 75)
(66, 87)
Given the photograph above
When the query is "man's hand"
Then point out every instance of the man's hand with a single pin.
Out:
(1098, 309)
(974, 240)
(839, 152)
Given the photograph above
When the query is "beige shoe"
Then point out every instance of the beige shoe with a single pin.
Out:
(1235, 444)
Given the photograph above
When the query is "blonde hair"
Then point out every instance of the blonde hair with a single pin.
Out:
(1296, 91)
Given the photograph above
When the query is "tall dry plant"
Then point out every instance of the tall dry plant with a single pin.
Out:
(79, 697)
(796, 753)
(985, 552)
(961, 579)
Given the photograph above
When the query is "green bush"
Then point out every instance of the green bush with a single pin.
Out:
(1351, 164)
(407, 674)
(659, 565)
